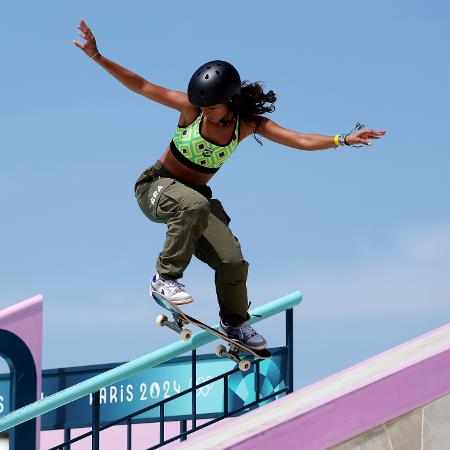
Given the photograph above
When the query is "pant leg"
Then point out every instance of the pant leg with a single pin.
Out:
(185, 212)
(220, 249)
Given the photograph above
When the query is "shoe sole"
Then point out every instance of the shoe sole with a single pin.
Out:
(175, 302)
(182, 302)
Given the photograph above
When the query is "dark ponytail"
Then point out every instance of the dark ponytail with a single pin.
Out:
(251, 103)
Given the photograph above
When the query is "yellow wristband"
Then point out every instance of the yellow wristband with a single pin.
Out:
(336, 141)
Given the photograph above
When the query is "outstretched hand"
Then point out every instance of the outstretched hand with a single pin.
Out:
(363, 136)
(90, 46)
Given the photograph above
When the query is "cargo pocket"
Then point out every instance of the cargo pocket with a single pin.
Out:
(219, 212)
(151, 200)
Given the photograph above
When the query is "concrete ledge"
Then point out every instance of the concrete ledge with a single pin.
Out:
(347, 404)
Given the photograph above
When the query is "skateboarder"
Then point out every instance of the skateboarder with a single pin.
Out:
(216, 114)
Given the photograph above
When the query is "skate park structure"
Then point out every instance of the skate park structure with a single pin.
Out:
(97, 383)
(21, 347)
(397, 400)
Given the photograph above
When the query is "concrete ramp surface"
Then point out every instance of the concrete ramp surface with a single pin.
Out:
(398, 400)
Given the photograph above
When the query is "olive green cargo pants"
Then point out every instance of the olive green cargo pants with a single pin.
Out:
(197, 226)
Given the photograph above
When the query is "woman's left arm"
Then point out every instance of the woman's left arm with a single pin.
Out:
(276, 133)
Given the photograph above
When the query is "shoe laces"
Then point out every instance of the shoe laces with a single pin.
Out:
(175, 285)
(247, 330)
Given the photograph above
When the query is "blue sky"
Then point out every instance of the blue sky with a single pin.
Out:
(363, 233)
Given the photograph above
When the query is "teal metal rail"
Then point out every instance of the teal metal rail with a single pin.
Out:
(126, 370)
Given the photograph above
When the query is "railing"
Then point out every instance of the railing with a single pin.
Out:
(117, 374)
(184, 432)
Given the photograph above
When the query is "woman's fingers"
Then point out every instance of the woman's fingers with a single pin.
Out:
(81, 46)
(362, 137)
(371, 134)
(90, 40)
(83, 25)
(364, 141)
(85, 35)
(90, 46)
(85, 30)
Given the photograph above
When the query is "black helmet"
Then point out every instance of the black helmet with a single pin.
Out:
(213, 83)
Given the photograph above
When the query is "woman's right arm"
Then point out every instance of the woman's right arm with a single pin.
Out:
(133, 81)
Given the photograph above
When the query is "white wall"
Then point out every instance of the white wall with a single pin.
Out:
(4, 443)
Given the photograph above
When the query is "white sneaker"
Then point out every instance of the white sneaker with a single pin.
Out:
(170, 289)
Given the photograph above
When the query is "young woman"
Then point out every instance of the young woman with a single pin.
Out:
(217, 113)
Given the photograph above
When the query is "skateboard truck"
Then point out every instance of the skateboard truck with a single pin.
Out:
(180, 319)
(176, 325)
(233, 354)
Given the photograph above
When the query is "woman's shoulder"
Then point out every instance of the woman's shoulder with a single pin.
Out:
(250, 125)
(189, 116)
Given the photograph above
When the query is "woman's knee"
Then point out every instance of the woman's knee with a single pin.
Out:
(198, 207)
(234, 270)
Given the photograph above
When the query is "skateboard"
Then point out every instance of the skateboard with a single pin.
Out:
(180, 320)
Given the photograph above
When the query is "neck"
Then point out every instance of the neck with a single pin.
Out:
(227, 120)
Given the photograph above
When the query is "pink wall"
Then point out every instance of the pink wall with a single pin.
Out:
(143, 437)
(346, 404)
(361, 410)
(25, 320)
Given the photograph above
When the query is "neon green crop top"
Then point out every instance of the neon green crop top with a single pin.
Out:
(193, 150)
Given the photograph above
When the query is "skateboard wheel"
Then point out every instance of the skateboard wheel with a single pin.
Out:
(220, 350)
(244, 365)
(161, 319)
(186, 334)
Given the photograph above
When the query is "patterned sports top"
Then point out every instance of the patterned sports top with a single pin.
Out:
(194, 151)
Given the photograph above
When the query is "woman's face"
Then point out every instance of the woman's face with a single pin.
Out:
(215, 113)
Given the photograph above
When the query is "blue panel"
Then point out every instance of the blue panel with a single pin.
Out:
(22, 390)
(153, 385)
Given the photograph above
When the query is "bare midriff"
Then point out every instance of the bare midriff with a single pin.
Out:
(209, 131)
(183, 173)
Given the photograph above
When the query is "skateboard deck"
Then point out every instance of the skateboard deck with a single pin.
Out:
(181, 319)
